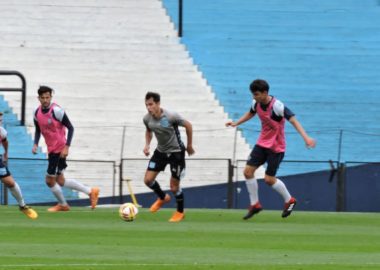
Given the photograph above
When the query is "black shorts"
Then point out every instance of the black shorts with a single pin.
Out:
(176, 160)
(260, 155)
(56, 164)
(4, 172)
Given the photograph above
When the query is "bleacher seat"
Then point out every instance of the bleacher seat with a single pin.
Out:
(101, 58)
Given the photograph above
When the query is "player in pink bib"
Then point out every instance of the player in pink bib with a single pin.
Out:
(270, 146)
(51, 121)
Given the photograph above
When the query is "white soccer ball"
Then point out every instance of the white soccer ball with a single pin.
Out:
(128, 211)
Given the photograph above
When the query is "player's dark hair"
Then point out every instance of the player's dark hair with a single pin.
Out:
(156, 96)
(259, 85)
(44, 89)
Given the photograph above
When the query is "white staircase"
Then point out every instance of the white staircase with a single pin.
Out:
(101, 57)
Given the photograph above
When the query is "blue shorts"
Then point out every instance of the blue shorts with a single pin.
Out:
(260, 155)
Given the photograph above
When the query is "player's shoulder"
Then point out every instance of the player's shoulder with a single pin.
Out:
(168, 112)
(253, 105)
(278, 104)
(57, 108)
(147, 119)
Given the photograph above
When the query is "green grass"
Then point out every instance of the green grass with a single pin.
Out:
(207, 239)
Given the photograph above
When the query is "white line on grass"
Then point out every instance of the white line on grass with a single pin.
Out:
(7, 266)
(101, 264)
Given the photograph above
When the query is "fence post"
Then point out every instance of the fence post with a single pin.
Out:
(340, 144)
(4, 194)
(341, 188)
(121, 181)
(180, 18)
(230, 185)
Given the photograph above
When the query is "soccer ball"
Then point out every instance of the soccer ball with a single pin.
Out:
(128, 211)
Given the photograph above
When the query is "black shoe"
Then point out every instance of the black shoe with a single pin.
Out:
(289, 206)
(253, 210)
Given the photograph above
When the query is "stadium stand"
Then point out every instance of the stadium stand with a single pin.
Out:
(102, 57)
(320, 58)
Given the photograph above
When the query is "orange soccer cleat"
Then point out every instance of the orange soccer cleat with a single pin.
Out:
(159, 203)
(94, 196)
(177, 217)
(29, 212)
(59, 208)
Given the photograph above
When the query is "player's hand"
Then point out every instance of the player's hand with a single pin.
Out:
(190, 150)
(310, 142)
(65, 152)
(146, 150)
(231, 124)
(35, 149)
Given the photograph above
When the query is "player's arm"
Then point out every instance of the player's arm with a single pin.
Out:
(189, 133)
(310, 142)
(37, 135)
(248, 115)
(60, 115)
(148, 139)
(5, 146)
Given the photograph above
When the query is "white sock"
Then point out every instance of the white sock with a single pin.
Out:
(76, 185)
(280, 187)
(57, 191)
(16, 193)
(253, 189)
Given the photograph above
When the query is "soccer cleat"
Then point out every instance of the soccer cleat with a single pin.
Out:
(177, 217)
(29, 212)
(94, 196)
(59, 208)
(159, 203)
(289, 206)
(253, 210)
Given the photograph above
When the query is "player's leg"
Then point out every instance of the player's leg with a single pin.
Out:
(177, 168)
(156, 164)
(274, 161)
(52, 182)
(74, 184)
(15, 190)
(256, 159)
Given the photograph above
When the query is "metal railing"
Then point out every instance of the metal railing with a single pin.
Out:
(230, 175)
(30, 173)
(15, 89)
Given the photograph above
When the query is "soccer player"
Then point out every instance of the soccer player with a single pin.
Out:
(8, 179)
(52, 121)
(170, 150)
(270, 146)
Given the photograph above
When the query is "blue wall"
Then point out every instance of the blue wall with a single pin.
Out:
(321, 59)
(314, 192)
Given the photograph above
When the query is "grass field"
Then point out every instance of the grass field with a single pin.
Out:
(207, 239)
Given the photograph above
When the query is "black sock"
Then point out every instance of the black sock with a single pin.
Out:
(180, 201)
(157, 189)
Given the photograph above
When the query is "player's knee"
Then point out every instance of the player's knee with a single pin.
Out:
(270, 180)
(248, 174)
(148, 182)
(174, 189)
(8, 182)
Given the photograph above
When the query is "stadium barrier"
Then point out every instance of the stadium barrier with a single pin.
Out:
(350, 186)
